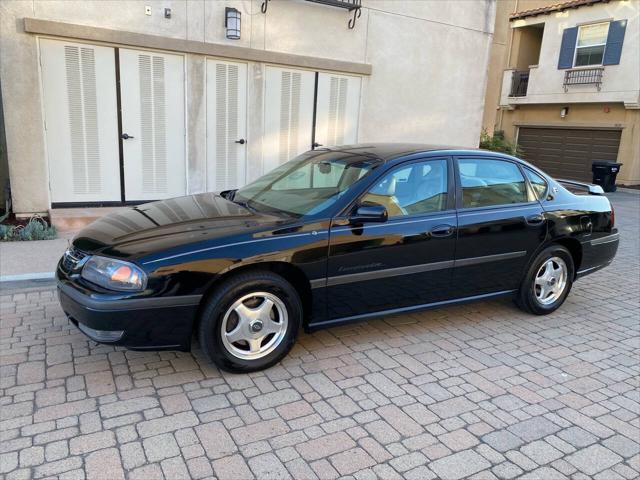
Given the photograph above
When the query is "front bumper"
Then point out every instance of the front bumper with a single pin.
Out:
(151, 323)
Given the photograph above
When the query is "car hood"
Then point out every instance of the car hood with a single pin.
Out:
(153, 227)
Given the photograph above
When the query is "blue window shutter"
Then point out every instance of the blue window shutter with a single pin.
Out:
(613, 50)
(568, 47)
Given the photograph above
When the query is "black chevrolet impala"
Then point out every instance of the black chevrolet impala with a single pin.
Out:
(334, 236)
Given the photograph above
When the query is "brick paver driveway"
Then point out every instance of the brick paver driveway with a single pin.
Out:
(480, 390)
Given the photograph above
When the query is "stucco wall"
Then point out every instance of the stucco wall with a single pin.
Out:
(429, 61)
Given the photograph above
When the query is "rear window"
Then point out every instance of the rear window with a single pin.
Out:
(538, 184)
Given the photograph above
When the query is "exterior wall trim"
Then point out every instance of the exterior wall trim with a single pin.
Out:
(574, 126)
(132, 39)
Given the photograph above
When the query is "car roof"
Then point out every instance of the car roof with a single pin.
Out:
(387, 152)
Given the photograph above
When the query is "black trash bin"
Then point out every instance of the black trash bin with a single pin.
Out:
(604, 174)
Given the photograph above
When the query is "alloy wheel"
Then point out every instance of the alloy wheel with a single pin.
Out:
(254, 325)
(550, 281)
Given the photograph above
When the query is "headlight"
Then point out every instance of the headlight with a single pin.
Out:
(114, 274)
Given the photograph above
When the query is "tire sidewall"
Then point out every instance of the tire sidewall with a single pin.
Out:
(527, 292)
(210, 334)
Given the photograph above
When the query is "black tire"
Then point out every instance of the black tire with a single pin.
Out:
(527, 299)
(210, 327)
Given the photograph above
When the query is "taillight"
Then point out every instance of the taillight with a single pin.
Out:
(613, 217)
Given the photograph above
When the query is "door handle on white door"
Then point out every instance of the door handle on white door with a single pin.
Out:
(242, 141)
(126, 136)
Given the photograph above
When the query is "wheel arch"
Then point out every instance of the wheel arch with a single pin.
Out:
(292, 274)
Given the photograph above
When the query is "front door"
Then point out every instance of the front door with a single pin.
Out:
(153, 131)
(405, 261)
(226, 125)
(500, 225)
(81, 124)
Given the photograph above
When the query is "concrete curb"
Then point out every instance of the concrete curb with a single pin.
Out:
(27, 276)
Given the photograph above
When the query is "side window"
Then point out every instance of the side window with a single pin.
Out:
(412, 189)
(488, 182)
(538, 184)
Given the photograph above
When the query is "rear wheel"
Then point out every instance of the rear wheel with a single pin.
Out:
(547, 282)
(251, 322)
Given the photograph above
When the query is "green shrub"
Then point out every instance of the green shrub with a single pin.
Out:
(36, 228)
(497, 143)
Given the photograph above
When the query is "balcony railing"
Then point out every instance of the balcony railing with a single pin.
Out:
(583, 76)
(519, 83)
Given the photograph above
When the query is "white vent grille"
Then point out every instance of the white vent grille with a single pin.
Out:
(227, 111)
(338, 89)
(153, 132)
(289, 115)
(83, 119)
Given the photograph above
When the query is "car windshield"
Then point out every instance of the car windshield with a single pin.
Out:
(308, 184)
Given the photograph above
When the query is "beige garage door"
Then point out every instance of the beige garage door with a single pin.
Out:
(568, 153)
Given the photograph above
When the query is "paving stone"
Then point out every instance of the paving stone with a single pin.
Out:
(215, 440)
(623, 445)
(453, 407)
(166, 424)
(541, 452)
(30, 372)
(268, 466)
(502, 440)
(175, 469)
(124, 407)
(533, 429)
(325, 446)
(104, 464)
(458, 440)
(160, 447)
(594, 459)
(233, 468)
(259, 431)
(459, 465)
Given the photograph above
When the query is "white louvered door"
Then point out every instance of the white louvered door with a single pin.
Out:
(226, 125)
(337, 109)
(79, 89)
(288, 115)
(152, 99)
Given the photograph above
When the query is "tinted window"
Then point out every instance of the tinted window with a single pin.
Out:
(413, 189)
(538, 184)
(490, 182)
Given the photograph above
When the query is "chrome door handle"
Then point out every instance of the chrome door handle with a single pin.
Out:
(442, 231)
(535, 219)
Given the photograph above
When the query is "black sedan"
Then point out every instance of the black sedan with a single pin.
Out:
(334, 236)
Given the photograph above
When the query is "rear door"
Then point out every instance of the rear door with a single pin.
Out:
(500, 225)
(405, 261)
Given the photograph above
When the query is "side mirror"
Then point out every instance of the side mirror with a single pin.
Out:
(369, 213)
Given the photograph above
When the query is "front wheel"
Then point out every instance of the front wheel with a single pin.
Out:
(251, 322)
(547, 282)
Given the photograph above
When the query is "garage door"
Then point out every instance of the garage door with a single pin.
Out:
(568, 153)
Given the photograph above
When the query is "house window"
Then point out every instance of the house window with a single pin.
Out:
(591, 43)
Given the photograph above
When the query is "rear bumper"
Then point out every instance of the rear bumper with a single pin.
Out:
(597, 253)
(148, 323)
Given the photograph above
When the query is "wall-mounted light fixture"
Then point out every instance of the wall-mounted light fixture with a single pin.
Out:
(232, 23)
